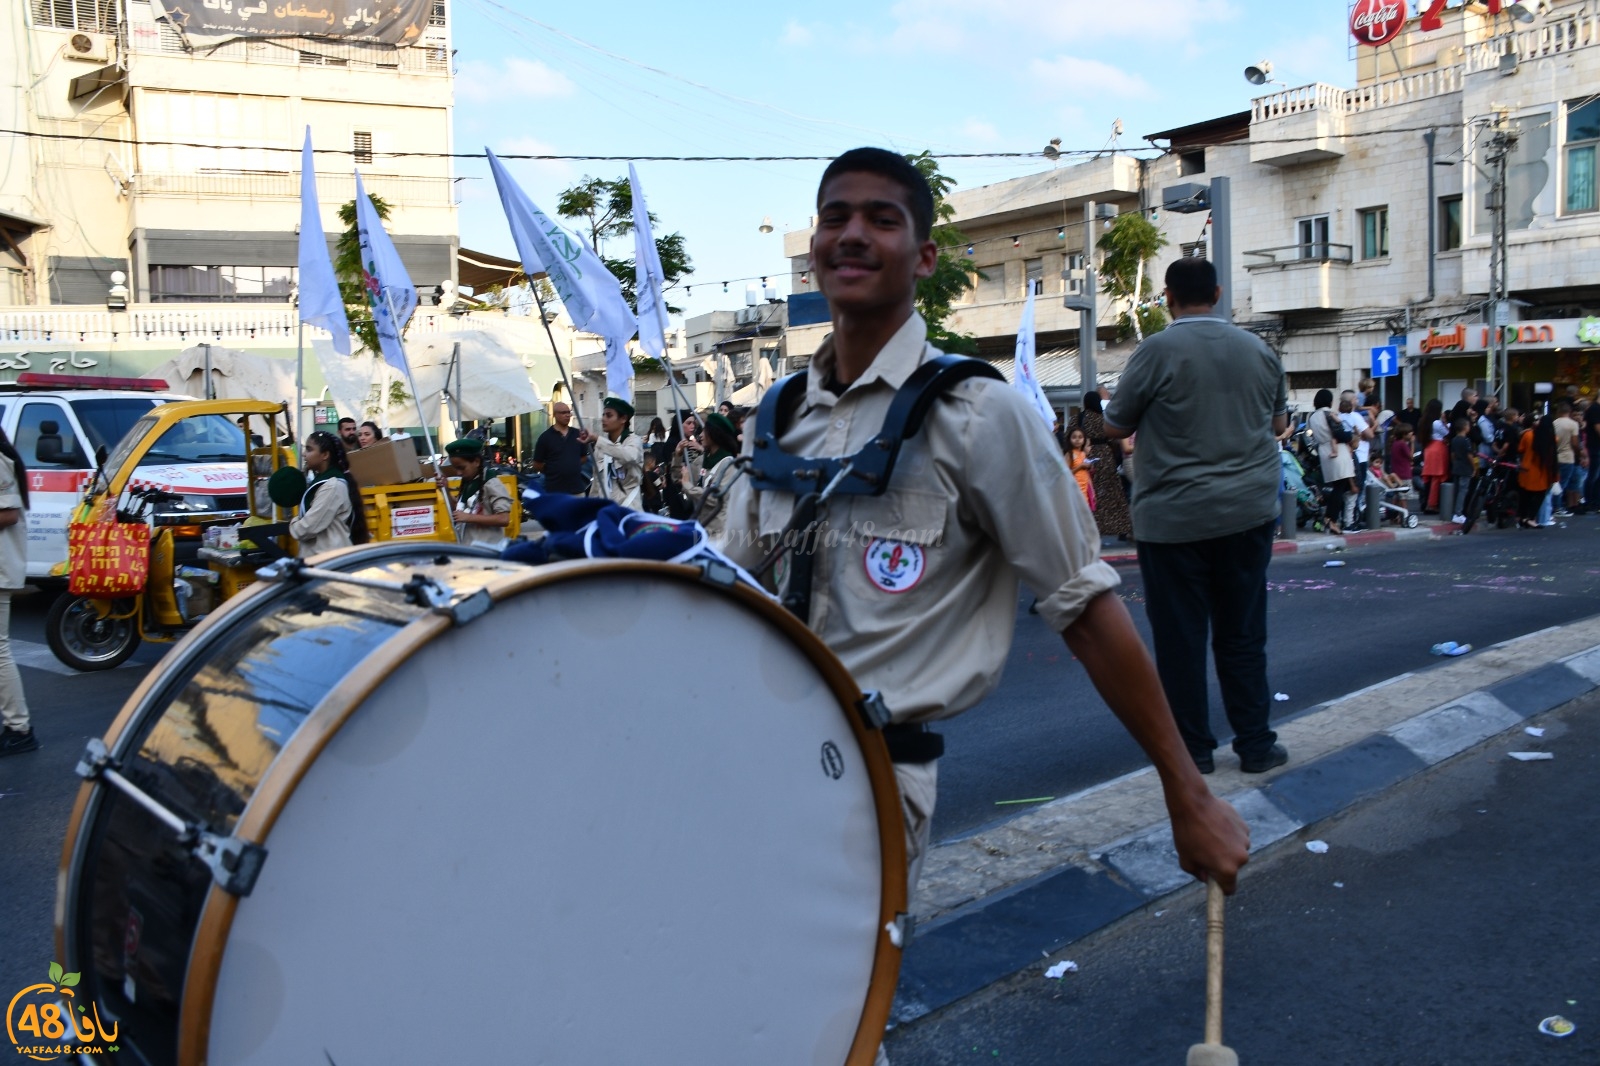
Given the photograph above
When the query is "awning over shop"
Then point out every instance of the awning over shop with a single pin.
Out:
(480, 271)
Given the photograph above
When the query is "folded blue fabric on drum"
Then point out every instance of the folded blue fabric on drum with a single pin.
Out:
(586, 527)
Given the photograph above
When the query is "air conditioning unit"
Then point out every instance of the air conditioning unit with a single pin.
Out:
(90, 47)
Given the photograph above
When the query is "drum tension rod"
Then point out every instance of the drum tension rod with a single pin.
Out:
(421, 589)
(234, 863)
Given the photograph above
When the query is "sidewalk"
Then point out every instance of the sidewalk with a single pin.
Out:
(996, 901)
(1119, 553)
(1440, 924)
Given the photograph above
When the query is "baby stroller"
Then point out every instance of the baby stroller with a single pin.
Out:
(1394, 507)
(1309, 508)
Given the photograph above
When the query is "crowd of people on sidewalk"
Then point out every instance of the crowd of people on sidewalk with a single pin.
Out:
(1444, 459)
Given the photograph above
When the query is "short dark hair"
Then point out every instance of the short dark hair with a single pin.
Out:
(1193, 282)
(348, 419)
(898, 169)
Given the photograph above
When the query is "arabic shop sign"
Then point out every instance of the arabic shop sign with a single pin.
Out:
(1465, 339)
(208, 23)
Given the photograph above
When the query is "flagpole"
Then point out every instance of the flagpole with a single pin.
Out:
(300, 386)
(427, 435)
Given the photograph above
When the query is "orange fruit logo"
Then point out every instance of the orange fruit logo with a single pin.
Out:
(46, 1022)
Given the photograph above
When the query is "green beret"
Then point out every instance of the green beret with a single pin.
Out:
(286, 486)
(724, 423)
(619, 405)
(466, 447)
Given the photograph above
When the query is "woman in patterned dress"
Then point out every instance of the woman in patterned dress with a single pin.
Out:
(1111, 504)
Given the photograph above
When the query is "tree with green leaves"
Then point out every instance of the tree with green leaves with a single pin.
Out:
(953, 274)
(1130, 243)
(605, 209)
(349, 270)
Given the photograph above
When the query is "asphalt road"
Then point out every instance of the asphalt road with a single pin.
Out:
(1446, 920)
(1331, 631)
(1043, 733)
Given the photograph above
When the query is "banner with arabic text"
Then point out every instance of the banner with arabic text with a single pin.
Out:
(208, 23)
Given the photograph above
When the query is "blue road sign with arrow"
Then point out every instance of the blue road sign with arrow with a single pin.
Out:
(1385, 361)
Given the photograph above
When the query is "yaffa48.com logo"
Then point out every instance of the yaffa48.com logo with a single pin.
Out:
(46, 1022)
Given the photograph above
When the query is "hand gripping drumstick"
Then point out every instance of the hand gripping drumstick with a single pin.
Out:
(1212, 1052)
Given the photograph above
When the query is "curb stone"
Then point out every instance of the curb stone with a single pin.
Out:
(1029, 895)
(1320, 543)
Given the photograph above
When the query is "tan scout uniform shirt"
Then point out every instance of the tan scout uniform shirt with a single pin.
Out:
(715, 516)
(494, 498)
(916, 590)
(621, 467)
(325, 524)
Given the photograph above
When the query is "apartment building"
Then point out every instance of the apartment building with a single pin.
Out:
(1360, 218)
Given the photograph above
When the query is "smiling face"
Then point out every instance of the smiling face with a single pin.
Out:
(865, 252)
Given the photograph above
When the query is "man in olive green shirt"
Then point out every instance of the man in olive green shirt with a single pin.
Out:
(1208, 400)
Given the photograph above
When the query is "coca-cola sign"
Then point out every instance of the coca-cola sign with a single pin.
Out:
(1377, 22)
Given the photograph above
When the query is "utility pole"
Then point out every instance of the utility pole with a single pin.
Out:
(1500, 145)
(1088, 328)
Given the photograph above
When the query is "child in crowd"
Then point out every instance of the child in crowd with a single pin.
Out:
(1402, 454)
(1078, 461)
(1461, 449)
(1376, 476)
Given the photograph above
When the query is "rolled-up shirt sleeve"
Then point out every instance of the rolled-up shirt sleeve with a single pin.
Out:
(1019, 489)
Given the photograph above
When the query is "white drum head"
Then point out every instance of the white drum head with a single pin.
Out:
(616, 820)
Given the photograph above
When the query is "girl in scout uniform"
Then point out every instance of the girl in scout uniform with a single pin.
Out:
(483, 504)
(331, 515)
(721, 452)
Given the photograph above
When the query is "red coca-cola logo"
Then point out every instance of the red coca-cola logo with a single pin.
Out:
(1377, 22)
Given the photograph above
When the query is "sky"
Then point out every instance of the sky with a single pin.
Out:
(631, 78)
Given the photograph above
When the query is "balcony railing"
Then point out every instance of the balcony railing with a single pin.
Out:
(183, 323)
(1558, 35)
(1315, 252)
(408, 189)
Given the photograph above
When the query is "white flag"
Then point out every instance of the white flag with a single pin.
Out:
(648, 280)
(319, 300)
(1026, 378)
(588, 291)
(390, 293)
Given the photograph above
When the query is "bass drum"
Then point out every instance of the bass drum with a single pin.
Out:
(626, 814)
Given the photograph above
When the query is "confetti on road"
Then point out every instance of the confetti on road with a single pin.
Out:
(1317, 847)
(1061, 969)
(1281, 697)
(1531, 756)
(1533, 731)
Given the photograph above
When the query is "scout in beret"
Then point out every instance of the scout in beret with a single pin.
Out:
(620, 453)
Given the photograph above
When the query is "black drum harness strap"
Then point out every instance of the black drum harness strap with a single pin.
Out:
(814, 481)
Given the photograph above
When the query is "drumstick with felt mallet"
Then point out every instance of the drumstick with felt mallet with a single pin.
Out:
(1212, 1052)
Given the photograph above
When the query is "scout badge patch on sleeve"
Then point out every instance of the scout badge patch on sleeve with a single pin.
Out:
(894, 566)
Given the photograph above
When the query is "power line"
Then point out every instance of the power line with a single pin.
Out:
(584, 158)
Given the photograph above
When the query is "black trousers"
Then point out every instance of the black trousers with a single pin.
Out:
(1220, 585)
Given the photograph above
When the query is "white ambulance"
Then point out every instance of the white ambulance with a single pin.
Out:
(60, 422)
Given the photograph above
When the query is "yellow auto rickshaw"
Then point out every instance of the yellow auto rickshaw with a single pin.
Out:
(155, 544)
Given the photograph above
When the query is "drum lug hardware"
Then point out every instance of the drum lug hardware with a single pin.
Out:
(474, 606)
(716, 572)
(424, 591)
(899, 930)
(874, 712)
(234, 864)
